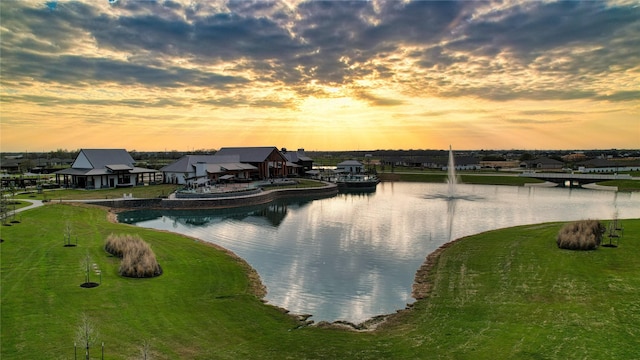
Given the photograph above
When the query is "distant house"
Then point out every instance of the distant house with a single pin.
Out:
(464, 163)
(351, 166)
(11, 164)
(542, 163)
(200, 169)
(297, 162)
(269, 161)
(393, 161)
(104, 168)
(609, 165)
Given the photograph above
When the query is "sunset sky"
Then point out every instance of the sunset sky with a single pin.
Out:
(320, 75)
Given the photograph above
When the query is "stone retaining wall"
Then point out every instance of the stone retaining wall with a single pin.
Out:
(218, 203)
(186, 195)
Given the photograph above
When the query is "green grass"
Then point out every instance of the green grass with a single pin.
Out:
(301, 183)
(623, 185)
(481, 179)
(151, 191)
(16, 204)
(509, 293)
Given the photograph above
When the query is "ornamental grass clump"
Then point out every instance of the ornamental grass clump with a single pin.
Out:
(581, 235)
(138, 260)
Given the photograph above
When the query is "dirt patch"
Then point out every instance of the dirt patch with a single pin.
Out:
(421, 284)
(389, 177)
(89, 285)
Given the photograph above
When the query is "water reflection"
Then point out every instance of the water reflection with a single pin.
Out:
(353, 256)
(272, 214)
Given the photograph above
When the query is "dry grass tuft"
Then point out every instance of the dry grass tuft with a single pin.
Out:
(138, 260)
(581, 235)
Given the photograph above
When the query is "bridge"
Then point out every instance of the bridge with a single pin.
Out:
(575, 180)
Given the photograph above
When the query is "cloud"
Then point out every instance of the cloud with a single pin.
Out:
(499, 51)
(549, 112)
(505, 93)
(85, 71)
(621, 96)
(376, 100)
(526, 121)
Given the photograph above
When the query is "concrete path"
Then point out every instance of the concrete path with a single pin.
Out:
(34, 204)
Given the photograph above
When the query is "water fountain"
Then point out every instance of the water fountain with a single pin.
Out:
(452, 180)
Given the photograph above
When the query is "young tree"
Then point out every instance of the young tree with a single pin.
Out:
(67, 234)
(145, 350)
(86, 266)
(86, 334)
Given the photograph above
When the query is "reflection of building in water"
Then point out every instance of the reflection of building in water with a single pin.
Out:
(275, 213)
(198, 221)
(272, 214)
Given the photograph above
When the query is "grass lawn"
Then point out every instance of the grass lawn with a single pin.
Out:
(16, 204)
(623, 185)
(508, 293)
(482, 178)
(151, 191)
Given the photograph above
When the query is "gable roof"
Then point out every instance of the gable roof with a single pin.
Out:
(249, 154)
(101, 158)
(186, 163)
(295, 156)
(224, 167)
(350, 163)
(543, 161)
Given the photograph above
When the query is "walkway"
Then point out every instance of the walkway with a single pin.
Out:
(34, 204)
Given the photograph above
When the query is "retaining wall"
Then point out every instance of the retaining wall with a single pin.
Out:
(218, 203)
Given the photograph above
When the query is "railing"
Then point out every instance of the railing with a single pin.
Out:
(577, 176)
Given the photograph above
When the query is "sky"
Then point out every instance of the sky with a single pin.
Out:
(320, 75)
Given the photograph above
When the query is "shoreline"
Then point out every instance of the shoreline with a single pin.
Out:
(421, 286)
(257, 288)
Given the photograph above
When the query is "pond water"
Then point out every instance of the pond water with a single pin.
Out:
(354, 256)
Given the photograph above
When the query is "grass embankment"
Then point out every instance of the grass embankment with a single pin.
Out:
(144, 192)
(481, 179)
(16, 204)
(489, 179)
(509, 293)
(623, 185)
(300, 183)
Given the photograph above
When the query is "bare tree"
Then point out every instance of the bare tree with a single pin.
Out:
(86, 266)
(86, 334)
(68, 232)
(145, 350)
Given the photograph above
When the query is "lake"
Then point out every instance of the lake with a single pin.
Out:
(354, 256)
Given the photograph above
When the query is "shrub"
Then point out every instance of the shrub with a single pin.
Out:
(138, 260)
(581, 235)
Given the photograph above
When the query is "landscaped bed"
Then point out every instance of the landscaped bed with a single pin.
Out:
(510, 293)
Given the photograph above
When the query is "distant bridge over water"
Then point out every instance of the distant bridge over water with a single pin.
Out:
(575, 180)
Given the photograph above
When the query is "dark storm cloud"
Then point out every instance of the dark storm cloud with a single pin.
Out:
(329, 42)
